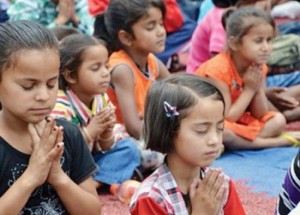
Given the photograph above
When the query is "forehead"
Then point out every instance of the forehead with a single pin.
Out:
(207, 109)
(261, 29)
(35, 62)
(151, 13)
(96, 52)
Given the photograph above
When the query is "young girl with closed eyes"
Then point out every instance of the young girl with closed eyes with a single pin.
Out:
(241, 71)
(82, 99)
(46, 167)
(184, 119)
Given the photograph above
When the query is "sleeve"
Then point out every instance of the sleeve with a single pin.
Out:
(24, 10)
(97, 6)
(233, 205)
(218, 35)
(62, 108)
(86, 24)
(173, 19)
(290, 191)
(83, 165)
(147, 205)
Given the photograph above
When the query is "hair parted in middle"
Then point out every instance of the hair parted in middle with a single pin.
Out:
(241, 20)
(181, 91)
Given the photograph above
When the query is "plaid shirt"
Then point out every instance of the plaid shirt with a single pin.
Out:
(161, 186)
(45, 12)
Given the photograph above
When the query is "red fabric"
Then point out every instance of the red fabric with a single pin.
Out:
(147, 205)
(173, 20)
(97, 6)
(233, 205)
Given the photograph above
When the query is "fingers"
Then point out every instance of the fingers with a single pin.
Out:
(56, 152)
(34, 135)
(193, 187)
(212, 181)
(278, 89)
(60, 135)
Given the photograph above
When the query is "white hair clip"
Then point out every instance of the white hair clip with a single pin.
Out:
(170, 110)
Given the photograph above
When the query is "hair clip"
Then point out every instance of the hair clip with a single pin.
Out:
(171, 111)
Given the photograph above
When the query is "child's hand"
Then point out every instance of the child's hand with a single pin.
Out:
(207, 195)
(43, 152)
(253, 77)
(66, 11)
(99, 123)
(280, 100)
(56, 170)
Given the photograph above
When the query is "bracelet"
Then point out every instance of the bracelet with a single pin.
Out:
(87, 134)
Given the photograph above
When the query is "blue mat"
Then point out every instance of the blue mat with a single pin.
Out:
(263, 170)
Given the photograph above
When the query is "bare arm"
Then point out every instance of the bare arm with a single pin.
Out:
(252, 83)
(239, 107)
(78, 199)
(163, 71)
(123, 80)
(260, 104)
(15, 198)
(44, 151)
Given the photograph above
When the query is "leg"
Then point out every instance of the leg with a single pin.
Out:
(274, 126)
(235, 142)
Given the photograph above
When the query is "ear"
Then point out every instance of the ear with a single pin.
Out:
(125, 38)
(70, 79)
(233, 43)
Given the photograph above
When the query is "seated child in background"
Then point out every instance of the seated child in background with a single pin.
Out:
(51, 13)
(82, 99)
(184, 119)
(289, 196)
(62, 31)
(179, 26)
(136, 30)
(46, 167)
(241, 72)
(209, 39)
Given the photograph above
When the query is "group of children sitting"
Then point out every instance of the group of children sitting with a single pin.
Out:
(129, 114)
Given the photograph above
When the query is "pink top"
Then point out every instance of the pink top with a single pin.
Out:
(209, 36)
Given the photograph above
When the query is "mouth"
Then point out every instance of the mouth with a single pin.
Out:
(104, 84)
(212, 153)
(41, 111)
(161, 42)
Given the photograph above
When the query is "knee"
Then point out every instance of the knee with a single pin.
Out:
(228, 136)
(279, 121)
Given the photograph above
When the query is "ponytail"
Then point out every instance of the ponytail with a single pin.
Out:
(226, 15)
(101, 32)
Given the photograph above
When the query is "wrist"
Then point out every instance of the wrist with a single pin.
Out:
(106, 137)
(60, 180)
(61, 20)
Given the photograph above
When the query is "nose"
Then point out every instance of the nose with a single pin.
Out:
(161, 31)
(215, 137)
(43, 94)
(266, 46)
(105, 72)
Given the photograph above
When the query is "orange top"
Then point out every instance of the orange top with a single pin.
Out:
(141, 82)
(222, 68)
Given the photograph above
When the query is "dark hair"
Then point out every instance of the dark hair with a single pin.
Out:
(71, 49)
(121, 15)
(62, 31)
(23, 35)
(181, 91)
(241, 20)
(225, 3)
